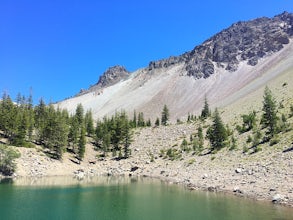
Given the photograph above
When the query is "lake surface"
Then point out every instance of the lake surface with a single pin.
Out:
(124, 198)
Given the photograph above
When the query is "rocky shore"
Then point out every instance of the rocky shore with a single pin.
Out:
(266, 175)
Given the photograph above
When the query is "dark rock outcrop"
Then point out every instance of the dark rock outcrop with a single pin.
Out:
(113, 75)
(165, 63)
(243, 41)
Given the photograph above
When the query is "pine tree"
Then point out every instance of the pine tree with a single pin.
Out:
(40, 118)
(116, 126)
(73, 133)
(149, 123)
(79, 114)
(22, 127)
(127, 138)
(89, 123)
(217, 133)
(269, 117)
(200, 138)
(81, 143)
(140, 120)
(157, 123)
(98, 133)
(134, 120)
(8, 117)
(165, 115)
(77, 123)
(56, 131)
(188, 117)
(205, 113)
(61, 134)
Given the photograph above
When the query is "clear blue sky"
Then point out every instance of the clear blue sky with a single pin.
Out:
(57, 47)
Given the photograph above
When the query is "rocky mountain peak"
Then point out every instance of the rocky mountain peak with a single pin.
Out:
(113, 75)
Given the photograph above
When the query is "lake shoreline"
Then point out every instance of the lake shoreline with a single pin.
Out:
(266, 175)
(84, 180)
(60, 193)
(33, 181)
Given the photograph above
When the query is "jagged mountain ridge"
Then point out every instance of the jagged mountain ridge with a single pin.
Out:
(223, 64)
(243, 41)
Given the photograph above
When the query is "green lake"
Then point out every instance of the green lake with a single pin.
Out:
(124, 198)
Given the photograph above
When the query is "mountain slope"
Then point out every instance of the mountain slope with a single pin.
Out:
(226, 67)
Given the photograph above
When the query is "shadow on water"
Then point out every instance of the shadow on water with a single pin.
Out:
(6, 181)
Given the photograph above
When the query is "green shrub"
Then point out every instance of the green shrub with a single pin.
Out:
(173, 154)
(233, 143)
(256, 137)
(245, 149)
(184, 145)
(162, 153)
(190, 162)
(291, 111)
(249, 139)
(239, 129)
(7, 157)
(257, 149)
(274, 140)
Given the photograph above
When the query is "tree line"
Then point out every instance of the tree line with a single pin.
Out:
(24, 124)
(270, 124)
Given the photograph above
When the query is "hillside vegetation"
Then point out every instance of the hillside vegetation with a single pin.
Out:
(231, 131)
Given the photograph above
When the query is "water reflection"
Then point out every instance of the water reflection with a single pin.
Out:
(123, 198)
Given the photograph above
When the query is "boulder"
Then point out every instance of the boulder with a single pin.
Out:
(134, 168)
(236, 189)
(238, 170)
(205, 176)
(276, 198)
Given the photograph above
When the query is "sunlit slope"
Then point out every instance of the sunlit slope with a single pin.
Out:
(147, 91)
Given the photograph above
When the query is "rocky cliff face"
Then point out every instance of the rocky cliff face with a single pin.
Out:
(243, 41)
(255, 46)
(112, 75)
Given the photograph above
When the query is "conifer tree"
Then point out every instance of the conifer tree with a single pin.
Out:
(21, 131)
(77, 123)
(81, 143)
(157, 123)
(165, 115)
(140, 120)
(269, 117)
(56, 132)
(40, 118)
(149, 123)
(205, 113)
(79, 114)
(89, 123)
(217, 133)
(200, 137)
(8, 117)
(74, 133)
(127, 138)
(98, 133)
(134, 120)
(188, 117)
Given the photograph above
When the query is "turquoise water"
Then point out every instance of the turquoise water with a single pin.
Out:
(130, 199)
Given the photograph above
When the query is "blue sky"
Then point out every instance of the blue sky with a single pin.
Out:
(56, 47)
